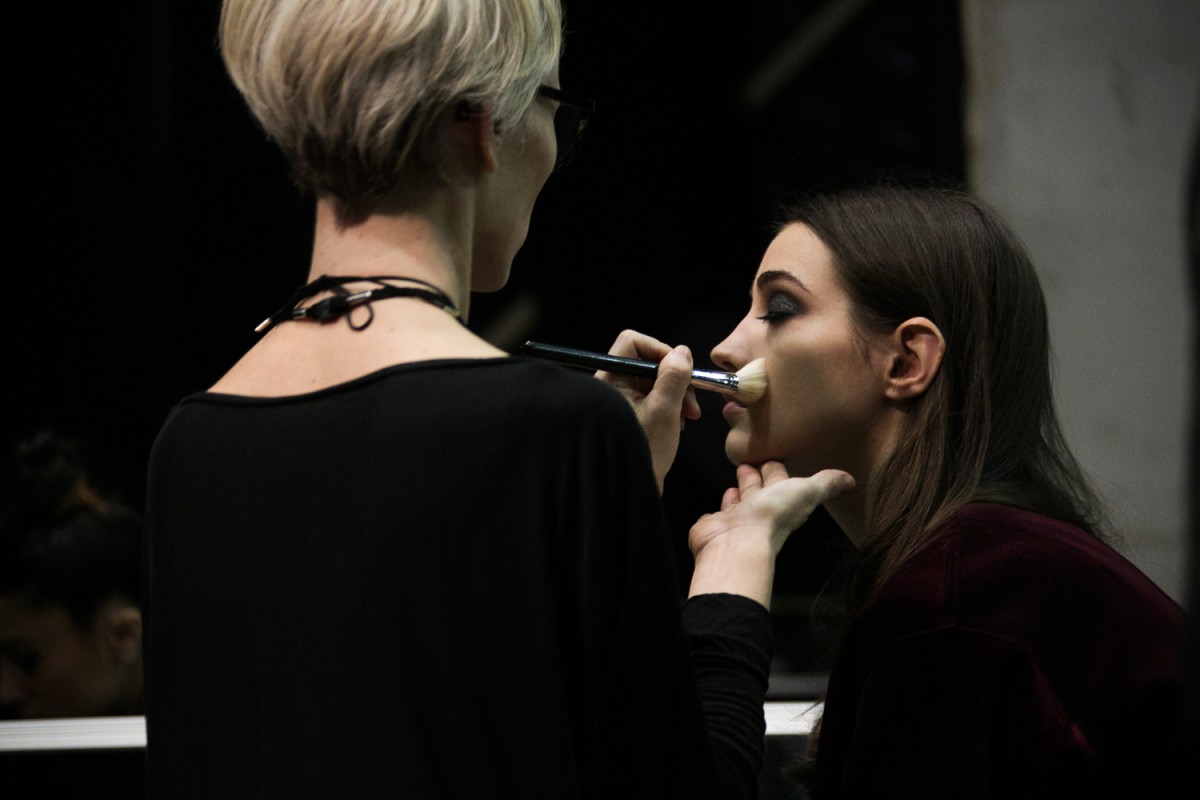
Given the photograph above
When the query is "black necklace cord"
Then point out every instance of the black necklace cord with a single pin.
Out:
(343, 301)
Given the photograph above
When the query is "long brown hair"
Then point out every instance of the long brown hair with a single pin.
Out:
(986, 430)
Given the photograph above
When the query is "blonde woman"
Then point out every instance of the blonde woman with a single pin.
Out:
(386, 559)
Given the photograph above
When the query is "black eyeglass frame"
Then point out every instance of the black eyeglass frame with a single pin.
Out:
(568, 132)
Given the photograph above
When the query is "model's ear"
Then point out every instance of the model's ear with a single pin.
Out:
(121, 627)
(917, 348)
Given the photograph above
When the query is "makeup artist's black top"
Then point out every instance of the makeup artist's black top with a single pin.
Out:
(1015, 657)
(451, 579)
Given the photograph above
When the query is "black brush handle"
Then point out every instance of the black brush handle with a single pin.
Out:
(701, 379)
(589, 360)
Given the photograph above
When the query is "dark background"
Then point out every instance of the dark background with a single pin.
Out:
(154, 226)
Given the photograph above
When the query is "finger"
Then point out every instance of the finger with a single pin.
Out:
(673, 380)
(803, 495)
(634, 344)
(691, 406)
(773, 472)
(829, 483)
(826, 484)
(730, 499)
(749, 478)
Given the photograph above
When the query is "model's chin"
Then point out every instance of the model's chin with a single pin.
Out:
(740, 449)
(735, 447)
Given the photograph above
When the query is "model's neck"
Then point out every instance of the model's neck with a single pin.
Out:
(851, 510)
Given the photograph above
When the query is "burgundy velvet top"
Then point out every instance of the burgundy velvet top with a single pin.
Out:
(1017, 656)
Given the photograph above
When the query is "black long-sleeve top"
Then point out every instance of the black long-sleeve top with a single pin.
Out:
(449, 579)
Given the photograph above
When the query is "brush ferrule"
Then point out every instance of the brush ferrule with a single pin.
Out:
(716, 380)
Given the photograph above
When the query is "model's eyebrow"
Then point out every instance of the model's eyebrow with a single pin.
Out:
(772, 275)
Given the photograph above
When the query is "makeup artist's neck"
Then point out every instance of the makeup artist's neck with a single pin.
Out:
(411, 245)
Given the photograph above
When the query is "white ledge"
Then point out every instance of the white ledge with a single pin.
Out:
(791, 719)
(115, 733)
(83, 733)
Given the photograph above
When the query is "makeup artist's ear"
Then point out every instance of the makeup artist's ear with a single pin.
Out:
(916, 349)
(489, 139)
(474, 134)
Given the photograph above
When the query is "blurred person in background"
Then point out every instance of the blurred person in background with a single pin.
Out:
(70, 564)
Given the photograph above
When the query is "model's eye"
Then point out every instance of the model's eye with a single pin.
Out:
(780, 306)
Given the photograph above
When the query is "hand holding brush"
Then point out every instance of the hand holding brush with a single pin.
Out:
(746, 385)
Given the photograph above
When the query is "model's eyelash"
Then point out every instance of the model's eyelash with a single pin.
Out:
(780, 306)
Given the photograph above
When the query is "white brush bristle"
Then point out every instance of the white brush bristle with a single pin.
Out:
(752, 380)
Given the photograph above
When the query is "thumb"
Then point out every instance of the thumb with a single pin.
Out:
(790, 501)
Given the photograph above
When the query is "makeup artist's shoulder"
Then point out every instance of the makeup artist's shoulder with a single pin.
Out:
(572, 391)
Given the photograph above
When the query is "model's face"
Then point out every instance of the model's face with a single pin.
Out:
(824, 401)
(526, 157)
(50, 668)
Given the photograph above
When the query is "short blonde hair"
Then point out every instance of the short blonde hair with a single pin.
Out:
(353, 91)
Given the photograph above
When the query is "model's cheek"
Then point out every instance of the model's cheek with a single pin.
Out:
(782, 423)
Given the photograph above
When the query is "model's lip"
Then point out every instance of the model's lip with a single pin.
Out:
(732, 407)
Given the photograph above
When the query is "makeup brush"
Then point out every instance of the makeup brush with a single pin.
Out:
(746, 385)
